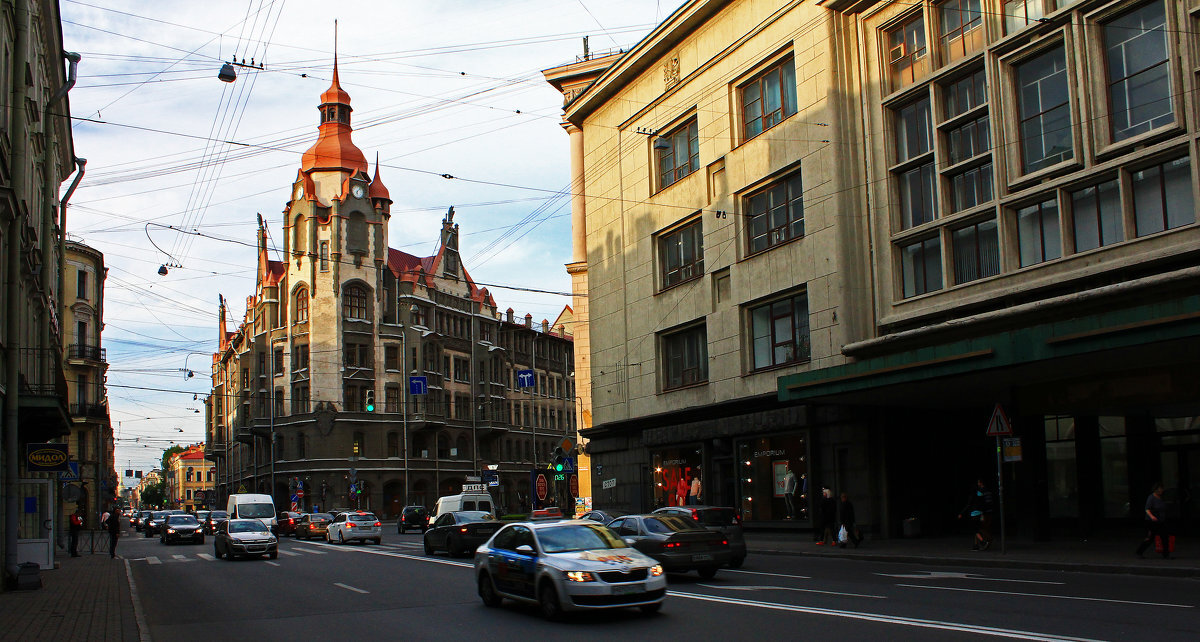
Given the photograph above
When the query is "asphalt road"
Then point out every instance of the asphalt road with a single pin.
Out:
(393, 590)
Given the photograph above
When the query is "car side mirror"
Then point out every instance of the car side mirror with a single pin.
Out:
(525, 548)
(629, 540)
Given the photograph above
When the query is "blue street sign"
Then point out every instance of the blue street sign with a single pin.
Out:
(525, 379)
(568, 464)
(295, 498)
(72, 474)
(418, 385)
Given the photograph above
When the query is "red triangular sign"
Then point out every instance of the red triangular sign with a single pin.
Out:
(999, 424)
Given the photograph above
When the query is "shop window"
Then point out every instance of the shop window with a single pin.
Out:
(769, 98)
(780, 332)
(976, 252)
(1044, 110)
(685, 357)
(921, 267)
(1096, 212)
(678, 154)
(1114, 468)
(674, 469)
(1062, 477)
(775, 214)
(961, 28)
(681, 253)
(1139, 81)
(763, 468)
(1162, 196)
(1038, 235)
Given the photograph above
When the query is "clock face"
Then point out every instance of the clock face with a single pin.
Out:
(299, 192)
(357, 190)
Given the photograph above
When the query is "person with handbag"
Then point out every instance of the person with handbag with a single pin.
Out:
(980, 507)
(849, 527)
(1156, 524)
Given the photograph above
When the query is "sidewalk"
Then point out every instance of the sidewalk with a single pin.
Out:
(1104, 554)
(86, 598)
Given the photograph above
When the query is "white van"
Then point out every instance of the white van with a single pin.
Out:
(251, 506)
(463, 501)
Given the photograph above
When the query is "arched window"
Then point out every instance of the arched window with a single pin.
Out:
(301, 305)
(393, 441)
(299, 236)
(189, 474)
(461, 448)
(356, 233)
(354, 302)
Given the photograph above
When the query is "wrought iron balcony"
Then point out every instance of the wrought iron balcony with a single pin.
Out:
(86, 352)
(89, 410)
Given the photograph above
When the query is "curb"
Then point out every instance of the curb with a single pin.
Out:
(994, 562)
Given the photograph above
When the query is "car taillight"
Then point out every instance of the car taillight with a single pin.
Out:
(463, 529)
(695, 514)
(291, 521)
(349, 524)
(671, 544)
(724, 542)
(379, 523)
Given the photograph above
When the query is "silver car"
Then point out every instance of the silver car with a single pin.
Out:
(357, 525)
(244, 537)
(567, 565)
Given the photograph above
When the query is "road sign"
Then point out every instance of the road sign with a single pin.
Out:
(198, 496)
(295, 498)
(1012, 449)
(300, 494)
(525, 379)
(574, 485)
(72, 472)
(999, 425)
(418, 385)
(568, 465)
(491, 478)
(543, 487)
(474, 488)
(473, 478)
(566, 444)
(609, 483)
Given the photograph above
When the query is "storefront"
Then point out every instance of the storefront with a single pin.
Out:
(765, 465)
(674, 469)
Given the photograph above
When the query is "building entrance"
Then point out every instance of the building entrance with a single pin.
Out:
(1181, 484)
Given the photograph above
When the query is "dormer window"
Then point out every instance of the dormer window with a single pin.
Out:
(451, 264)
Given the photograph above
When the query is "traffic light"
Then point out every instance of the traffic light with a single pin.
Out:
(559, 460)
(370, 403)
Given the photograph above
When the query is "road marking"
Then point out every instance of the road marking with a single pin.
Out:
(272, 563)
(153, 560)
(798, 577)
(419, 558)
(181, 557)
(788, 588)
(349, 588)
(884, 619)
(288, 553)
(139, 616)
(205, 556)
(1056, 597)
(948, 575)
(309, 550)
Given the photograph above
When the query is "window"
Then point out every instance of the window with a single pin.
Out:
(300, 399)
(462, 370)
(682, 254)
(391, 357)
(921, 267)
(190, 473)
(1139, 80)
(81, 284)
(1037, 233)
(1162, 196)
(392, 399)
(358, 446)
(918, 200)
(393, 444)
(969, 140)
(356, 235)
(324, 256)
(965, 94)
(300, 357)
(302, 305)
(1062, 476)
(779, 332)
(972, 187)
(685, 357)
(357, 355)
(962, 28)
(769, 98)
(299, 236)
(1044, 110)
(1096, 211)
(681, 155)
(906, 53)
(354, 303)
(1020, 13)
(976, 252)
(277, 357)
(775, 214)
(912, 131)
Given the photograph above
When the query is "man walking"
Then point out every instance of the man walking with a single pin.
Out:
(73, 529)
(113, 523)
(1156, 522)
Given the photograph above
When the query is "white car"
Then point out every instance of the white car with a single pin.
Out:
(358, 525)
(567, 565)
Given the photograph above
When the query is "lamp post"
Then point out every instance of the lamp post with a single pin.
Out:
(412, 311)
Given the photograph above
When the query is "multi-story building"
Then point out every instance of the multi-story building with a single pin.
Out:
(150, 479)
(91, 439)
(37, 151)
(831, 237)
(343, 322)
(190, 478)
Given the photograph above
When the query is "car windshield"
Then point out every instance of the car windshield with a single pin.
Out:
(320, 517)
(465, 516)
(247, 527)
(145, 514)
(577, 537)
(159, 515)
(256, 510)
(670, 524)
(182, 520)
(218, 514)
(363, 518)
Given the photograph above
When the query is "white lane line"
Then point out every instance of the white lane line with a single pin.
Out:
(349, 588)
(885, 619)
(205, 556)
(798, 577)
(153, 560)
(180, 557)
(419, 558)
(309, 550)
(288, 553)
(1045, 595)
(947, 575)
(789, 588)
(272, 563)
(139, 616)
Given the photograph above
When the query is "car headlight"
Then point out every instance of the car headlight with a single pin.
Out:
(656, 570)
(170, 531)
(580, 576)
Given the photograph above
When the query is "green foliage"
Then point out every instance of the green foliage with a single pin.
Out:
(166, 458)
(155, 495)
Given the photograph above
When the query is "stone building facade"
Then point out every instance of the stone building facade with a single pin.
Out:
(343, 320)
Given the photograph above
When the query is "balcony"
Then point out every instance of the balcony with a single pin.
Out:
(89, 411)
(86, 353)
(43, 394)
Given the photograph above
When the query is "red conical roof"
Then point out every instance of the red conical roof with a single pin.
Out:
(334, 150)
(378, 189)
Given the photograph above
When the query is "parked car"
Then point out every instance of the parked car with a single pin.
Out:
(244, 537)
(313, 525)
(181, 527)
(722, 519)
(602, 516)
(153, 522)
(287, 523)
(459, 533)
(412, 517)
(139, 522)
(214, 518)
(358, 525)
(564, 566)
(678, 543)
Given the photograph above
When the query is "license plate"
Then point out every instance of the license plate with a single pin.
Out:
(702, 558)
(628, 589)
(484, 531)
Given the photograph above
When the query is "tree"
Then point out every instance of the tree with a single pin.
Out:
(166, 458)
(155, 495)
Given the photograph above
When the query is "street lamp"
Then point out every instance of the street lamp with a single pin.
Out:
(412, 312)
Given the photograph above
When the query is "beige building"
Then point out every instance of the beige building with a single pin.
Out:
(190, 477)
(314, 396)
(149, 479)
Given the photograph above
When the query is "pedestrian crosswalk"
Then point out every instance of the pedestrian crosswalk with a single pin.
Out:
(291, 551)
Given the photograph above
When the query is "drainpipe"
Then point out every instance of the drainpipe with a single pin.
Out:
(50, 178)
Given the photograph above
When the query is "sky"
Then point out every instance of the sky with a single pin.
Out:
(179, 163)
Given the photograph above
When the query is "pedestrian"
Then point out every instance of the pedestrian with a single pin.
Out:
(846, 511)
(694, 493)
(789, 492)
(113, 523)
(1155, 516)
(73, 529)
(681, 489)
(980, 507)
(828, 517)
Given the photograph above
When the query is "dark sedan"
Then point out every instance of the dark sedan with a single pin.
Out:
(413, 517)
(154, 522)
(602, 516)
(181, 527)
(287, 523)
(678, 543)
(214, 519)
(139, 522)
(722, 519)
(312, 525)
(459, 533)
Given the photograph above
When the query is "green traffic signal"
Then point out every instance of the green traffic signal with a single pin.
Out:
(558, 467)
